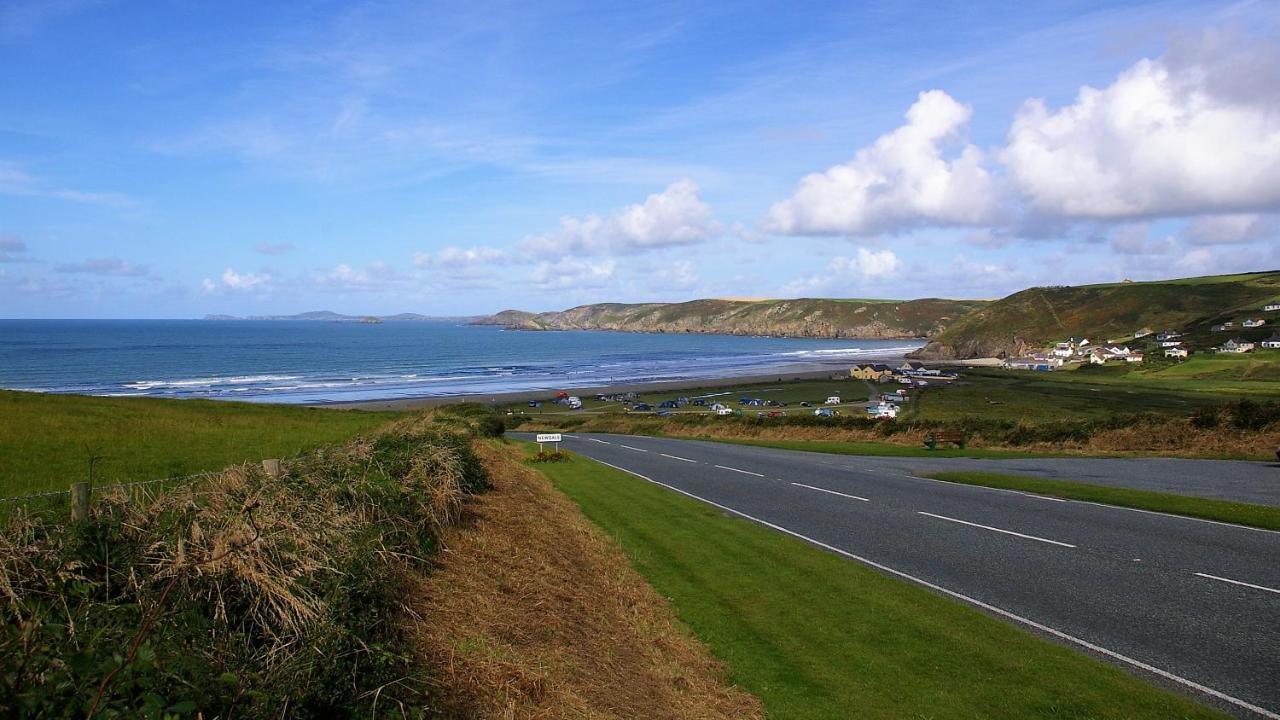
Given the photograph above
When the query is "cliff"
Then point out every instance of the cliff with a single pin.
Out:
(805, 317)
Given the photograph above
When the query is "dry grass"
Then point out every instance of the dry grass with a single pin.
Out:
(534, 613)
(1175, 437)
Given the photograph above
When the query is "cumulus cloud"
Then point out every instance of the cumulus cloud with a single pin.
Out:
(574, 273)
(676, 216)
(1230, 229)
(232, 280)
(456, 258)
(374, 277)
(108, 266)
(844, 273)
(266, 248)
(1181, 135)
(901, 181)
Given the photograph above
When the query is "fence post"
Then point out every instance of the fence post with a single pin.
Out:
(272, 468)
(79, 501)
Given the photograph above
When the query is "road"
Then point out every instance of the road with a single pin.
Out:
(1190, 604)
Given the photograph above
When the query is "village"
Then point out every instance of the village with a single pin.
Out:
(1169, 345)
(877, 402)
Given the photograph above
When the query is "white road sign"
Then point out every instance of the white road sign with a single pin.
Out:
(548, 437)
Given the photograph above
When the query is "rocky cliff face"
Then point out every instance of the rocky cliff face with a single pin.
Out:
(815, 318)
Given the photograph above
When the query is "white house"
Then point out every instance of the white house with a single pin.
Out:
(1142, 332)
(1271, 307)
(1169, 343)
(1235, 346)
(1176, 352)
(1168, 335)
(1272, 343)
(1098, 357)
(833, 400)
(1254, 322)
(1064, 350)
(1134, 357)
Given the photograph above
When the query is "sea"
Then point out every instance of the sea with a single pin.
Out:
(313, 362)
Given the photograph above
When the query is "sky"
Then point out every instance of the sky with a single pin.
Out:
(175, 158)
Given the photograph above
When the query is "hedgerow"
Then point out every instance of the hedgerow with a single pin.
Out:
(242, 594)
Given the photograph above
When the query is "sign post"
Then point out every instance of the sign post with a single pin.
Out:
(549, 438)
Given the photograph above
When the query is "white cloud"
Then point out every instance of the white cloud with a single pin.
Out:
(676, 216)
(17, 182)
(1230, 229)
(899, 182)
(1179, 135)
(233, 280)
(112, 266)
(458, 258)
(845, 273)
(572, 273)
(374, 277)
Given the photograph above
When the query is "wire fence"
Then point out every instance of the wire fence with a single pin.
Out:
(110, 486)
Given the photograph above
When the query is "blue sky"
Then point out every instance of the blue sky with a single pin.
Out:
(171, 159)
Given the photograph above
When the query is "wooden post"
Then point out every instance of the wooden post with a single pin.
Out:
(79, 501)
(272, 468)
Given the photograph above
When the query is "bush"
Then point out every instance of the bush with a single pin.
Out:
(241, 595)
(553, 456)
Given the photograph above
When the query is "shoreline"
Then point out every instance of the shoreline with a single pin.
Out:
(784, 373)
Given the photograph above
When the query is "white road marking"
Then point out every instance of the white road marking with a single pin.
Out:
(575, 437)
(833, 492)
(975, 602)
(995, 529)
(744, 472)
(1237, 582)
(1180, 517)
(602, 442)
(632, 448)
(677, 457)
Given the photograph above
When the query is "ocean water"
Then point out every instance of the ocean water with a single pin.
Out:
(318, 362)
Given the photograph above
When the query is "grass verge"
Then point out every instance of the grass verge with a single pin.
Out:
(816, 636)
(1261, 516)
(46, 440)
(881, 449)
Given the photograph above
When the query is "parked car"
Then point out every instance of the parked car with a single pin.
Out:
(535, 404)
(700, 402)
(806, 403)
(777, 413)
(727, 411)
(663, 413)
(826, 412)
(642, 407)
(670, 404)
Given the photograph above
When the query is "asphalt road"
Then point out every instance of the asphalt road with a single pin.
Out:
(1190, 604)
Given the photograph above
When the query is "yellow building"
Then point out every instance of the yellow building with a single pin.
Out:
(874, 372)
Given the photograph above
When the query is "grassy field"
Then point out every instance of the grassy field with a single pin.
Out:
(818, 636)
(792, 392)
(1261, 516)
(46, 440)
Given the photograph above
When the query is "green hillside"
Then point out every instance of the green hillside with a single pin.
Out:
(1033, 318)
(804, 317)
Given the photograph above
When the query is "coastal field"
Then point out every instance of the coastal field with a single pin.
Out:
(47, 441)
(1210, 406)
(813, 634)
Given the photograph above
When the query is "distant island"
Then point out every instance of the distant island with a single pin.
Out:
(329, 316)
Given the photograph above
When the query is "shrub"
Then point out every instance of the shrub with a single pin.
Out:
(238, 595)
(552, 456)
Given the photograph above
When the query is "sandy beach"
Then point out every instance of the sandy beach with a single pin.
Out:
(785, 373)
(806, 371)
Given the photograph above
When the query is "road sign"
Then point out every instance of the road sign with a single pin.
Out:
(548, 437)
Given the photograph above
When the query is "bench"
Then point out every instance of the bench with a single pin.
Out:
(946, 436)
